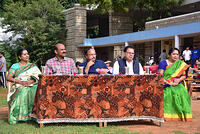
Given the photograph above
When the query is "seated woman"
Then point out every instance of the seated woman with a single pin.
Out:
(176, 99)
(195, 71)
(23, 77)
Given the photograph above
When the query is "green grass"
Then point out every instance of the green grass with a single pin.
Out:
(141, 132)
(178, 132)
(3, 89)
(33, 128)
(3, 101)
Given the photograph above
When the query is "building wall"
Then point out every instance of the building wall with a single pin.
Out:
(76, 31)
(118, 51)
(120, 23)
(176, 20)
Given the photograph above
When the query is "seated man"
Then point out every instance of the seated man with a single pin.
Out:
(128, 61)
(60, 64)
(92, 65)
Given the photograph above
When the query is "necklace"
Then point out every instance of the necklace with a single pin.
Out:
(169, 62)
(23, 64)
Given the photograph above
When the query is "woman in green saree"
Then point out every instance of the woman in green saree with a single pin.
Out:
(23, 79)
(177, 103)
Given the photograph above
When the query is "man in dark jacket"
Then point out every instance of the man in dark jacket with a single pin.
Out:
(134, 67)
(92, 65)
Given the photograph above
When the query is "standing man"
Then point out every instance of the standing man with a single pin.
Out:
(128, 61)
(60, 64)
(195, 55)
(3, 69)
(92, 64)
(163, 55)
(187, 55)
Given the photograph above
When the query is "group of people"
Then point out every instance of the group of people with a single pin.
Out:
(192, 58)
(92, 65)
(23, 79)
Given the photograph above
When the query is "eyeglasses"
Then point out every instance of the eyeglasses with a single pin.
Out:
(91, 54)
(130, 53)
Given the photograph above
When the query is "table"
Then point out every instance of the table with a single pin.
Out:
(98, 98)
(190, 86)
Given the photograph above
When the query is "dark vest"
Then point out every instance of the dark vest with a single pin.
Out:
(122, 65)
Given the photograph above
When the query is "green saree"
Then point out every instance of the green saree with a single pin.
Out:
(177, 102)
(21, 98)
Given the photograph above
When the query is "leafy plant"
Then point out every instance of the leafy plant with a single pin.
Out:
(39, 23)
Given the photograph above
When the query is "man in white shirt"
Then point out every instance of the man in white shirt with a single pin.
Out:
(187, 55)
(134, 66)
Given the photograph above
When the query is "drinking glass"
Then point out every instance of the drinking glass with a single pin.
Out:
(81, 70)
(127, 70)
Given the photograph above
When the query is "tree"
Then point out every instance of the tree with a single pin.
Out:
(142, 10)
(40, 24)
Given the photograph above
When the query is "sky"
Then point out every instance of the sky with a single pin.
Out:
(5, 36)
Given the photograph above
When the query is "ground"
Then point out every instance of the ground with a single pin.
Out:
(152, 127)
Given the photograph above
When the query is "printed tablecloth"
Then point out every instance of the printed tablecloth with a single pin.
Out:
(99, 98)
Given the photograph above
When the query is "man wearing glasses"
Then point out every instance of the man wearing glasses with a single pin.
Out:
(91, 66)
(128, 61)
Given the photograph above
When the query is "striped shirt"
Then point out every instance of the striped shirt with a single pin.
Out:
(67, 66)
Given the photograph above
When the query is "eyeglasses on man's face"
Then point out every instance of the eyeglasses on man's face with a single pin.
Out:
(91, 54)
(130, 53)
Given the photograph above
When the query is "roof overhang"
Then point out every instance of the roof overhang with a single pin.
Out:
(184, 30)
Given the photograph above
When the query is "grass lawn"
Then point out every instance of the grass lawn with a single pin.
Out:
(3, 89)
(3, 101)
(33, 128)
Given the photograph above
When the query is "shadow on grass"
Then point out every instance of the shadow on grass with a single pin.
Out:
(123, 123)
(138, 122)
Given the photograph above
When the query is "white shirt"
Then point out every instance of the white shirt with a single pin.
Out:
(187, 54)
(130, 65)
(151, 61)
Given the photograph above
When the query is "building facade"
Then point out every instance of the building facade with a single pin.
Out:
(115, 30)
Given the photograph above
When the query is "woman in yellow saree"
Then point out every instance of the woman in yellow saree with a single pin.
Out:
(23, 77)
(177, 103)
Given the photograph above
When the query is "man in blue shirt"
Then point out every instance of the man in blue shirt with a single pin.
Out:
(195, 55)
(92, 64)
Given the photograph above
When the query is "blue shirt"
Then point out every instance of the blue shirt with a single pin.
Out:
(195, 54)
(97, 64)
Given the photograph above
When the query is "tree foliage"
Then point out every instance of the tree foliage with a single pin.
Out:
(142, 10)
(40, 24)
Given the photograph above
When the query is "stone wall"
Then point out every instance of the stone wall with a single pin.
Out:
(118, 51)
(149, 49)
(76, 31)
(120, 23)
(176, 20)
